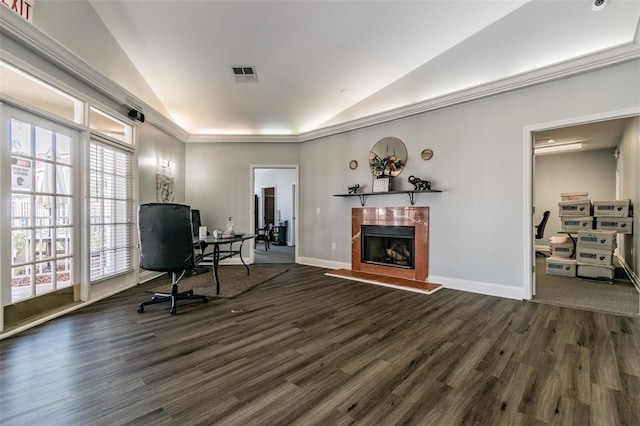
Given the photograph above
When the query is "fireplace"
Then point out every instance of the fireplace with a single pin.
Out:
(388, 245)
(391, 241)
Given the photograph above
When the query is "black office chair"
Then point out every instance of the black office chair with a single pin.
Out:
(540, 230)
(166, 245)
(264, 234)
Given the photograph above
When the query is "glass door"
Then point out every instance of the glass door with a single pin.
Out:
(42, 168)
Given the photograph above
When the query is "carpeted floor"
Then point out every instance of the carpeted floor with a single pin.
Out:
(233, 280)
(617, 297)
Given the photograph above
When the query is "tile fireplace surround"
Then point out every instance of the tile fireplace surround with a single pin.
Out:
(417, 217)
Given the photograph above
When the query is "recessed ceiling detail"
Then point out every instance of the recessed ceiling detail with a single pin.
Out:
(245, 74)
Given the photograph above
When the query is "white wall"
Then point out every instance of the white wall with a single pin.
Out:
(282, 180)
(589, 171)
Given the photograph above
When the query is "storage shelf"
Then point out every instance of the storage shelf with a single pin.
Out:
(363, 195)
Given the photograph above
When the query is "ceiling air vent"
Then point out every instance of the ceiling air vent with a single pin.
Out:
(245, 74)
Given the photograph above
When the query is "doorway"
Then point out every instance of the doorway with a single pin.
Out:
(593, 167)
(274, 196)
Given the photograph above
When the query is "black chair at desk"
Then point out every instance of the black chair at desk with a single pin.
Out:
(264, 234)
(540, 230)
(166, 245)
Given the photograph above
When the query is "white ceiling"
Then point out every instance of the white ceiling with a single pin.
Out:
(323, 63)
(597, 135)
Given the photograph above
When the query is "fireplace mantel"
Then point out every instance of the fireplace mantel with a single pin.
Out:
(363, 195)
(418, 217)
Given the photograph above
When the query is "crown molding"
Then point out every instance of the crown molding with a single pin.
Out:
(243, 138)
(33, 39)
(40, 43)
(618, 55)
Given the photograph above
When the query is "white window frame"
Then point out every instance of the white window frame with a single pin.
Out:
(117, 254)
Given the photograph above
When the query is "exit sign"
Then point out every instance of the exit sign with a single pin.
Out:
(23, 8)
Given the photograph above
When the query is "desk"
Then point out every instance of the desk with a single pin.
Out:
(219, 254)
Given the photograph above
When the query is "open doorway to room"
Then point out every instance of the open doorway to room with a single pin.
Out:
(590, 163)
(274, 213)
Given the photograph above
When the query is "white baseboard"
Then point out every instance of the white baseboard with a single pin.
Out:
(488, 289)
(322, 263)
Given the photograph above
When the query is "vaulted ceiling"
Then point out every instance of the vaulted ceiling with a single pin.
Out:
(324, 63)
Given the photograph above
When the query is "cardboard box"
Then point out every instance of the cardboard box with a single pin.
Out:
(579, 208)
(618, 208)
(576, 223)
(598, 272)
(562, 249)
(573, 196)
(560, 266)
(593, 256)
(622, 225)
(602, 239)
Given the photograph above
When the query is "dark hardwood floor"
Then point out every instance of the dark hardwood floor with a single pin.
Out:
(308, 349)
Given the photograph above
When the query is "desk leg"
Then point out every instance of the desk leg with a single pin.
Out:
(216, 260)
(241, 259)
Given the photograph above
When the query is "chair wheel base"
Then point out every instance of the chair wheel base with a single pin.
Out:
(173, 299)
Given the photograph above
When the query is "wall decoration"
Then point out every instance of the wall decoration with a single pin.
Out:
(353, 189)
(419, 184)
(164, 188)
(388, 157)
(426, 154)
(353, 164)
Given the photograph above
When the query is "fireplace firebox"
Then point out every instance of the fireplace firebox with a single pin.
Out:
(388, 245)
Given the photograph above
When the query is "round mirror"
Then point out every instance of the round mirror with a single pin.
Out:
(388, 157)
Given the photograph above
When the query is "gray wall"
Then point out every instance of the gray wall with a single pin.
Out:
(154, 144)
(479, 232)
(629, 169)
(218, 178)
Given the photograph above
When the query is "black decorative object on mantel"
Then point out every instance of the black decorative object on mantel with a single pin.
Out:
(353, 189)
(419, 184)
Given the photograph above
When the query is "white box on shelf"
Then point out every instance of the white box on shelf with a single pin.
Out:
(575, 208)
(593, 256)
(602, 239)
(599, 272)
(576, 223)
(560, 266)
(622, 225)
(617, 208)
(573, 196)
